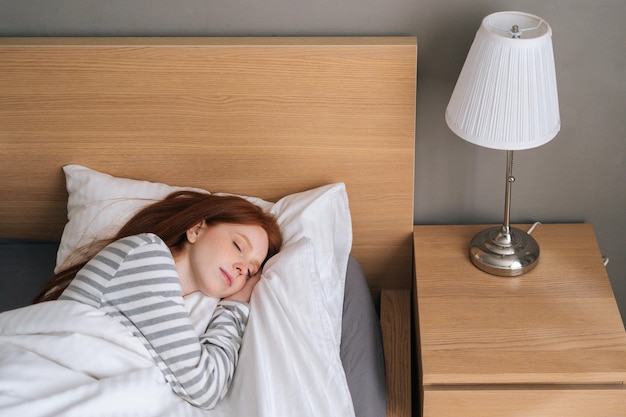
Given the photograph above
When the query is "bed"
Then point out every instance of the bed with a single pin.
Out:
(266, 117)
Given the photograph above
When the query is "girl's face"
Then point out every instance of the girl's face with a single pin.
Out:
(218, 259)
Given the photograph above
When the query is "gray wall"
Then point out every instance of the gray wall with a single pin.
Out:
(579, 176)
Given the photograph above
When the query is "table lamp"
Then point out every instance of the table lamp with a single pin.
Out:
(506, 98)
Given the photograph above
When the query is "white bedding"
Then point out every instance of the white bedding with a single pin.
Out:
(65, 358)
(61, 358)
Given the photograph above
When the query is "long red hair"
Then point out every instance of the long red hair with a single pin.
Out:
(170, 219)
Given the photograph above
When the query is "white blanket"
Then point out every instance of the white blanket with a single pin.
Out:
(63, 358)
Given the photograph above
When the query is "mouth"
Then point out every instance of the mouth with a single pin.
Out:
(227, 278)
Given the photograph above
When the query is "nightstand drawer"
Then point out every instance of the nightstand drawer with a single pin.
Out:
(575, 401)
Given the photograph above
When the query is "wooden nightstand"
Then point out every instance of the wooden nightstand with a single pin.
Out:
(547, 343)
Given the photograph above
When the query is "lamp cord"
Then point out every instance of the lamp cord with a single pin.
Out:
(535, 224)
(605, 259)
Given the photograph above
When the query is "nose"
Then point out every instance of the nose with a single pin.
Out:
(243, 268)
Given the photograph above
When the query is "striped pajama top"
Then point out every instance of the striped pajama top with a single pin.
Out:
(134, 280)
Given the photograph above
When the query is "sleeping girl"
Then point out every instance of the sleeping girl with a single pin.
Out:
(189, 242)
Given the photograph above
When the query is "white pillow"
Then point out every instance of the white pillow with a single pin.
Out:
(322, 215)
(289, 364)
(99, 204)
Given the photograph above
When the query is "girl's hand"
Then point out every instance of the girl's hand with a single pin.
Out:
(245, 293)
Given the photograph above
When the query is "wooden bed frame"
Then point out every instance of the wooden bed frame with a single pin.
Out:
(255, 116)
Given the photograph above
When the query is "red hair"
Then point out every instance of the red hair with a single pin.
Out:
(170, 219)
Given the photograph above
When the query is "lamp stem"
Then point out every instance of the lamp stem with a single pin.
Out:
(510, 179)
(504, 238)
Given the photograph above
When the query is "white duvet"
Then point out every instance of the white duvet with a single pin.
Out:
(63, 358)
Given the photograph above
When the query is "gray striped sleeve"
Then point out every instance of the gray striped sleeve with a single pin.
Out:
(135, 281)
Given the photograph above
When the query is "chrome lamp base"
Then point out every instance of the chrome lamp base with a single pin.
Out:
(504, 251)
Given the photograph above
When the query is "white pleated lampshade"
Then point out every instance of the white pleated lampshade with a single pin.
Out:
(506, 95)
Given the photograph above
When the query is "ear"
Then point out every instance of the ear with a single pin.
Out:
(194, 231)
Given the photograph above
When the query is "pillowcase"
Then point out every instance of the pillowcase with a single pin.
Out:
(99, 204)
(289, 364)
(322, 215)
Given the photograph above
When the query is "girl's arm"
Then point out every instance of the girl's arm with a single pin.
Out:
(135, 281)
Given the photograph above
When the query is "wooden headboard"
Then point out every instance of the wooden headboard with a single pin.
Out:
(256, 116)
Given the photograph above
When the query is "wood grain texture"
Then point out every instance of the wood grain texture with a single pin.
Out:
(395, 317)
(495, 344)
(255, 116)
(548, 401)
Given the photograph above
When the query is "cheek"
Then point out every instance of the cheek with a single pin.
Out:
(239, 284)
